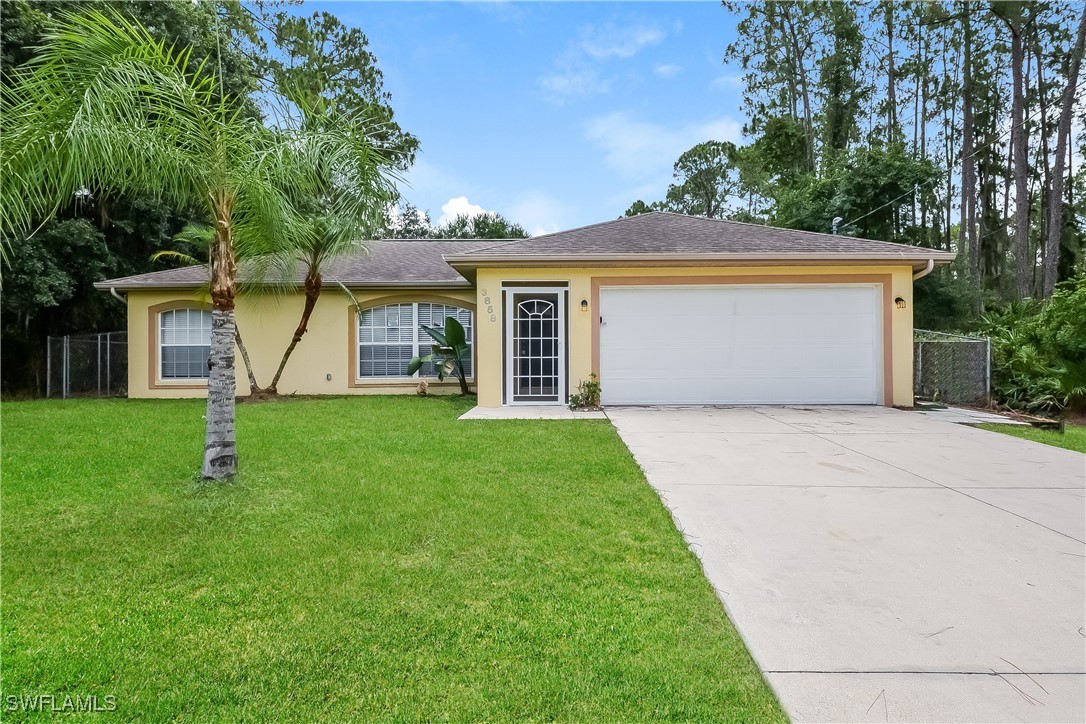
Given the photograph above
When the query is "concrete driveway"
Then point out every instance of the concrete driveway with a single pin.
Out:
(882, 565)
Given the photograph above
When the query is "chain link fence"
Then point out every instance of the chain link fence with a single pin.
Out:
(951, 368)
(87, 365)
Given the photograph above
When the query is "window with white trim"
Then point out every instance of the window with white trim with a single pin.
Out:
(389, 336)
(184, 344)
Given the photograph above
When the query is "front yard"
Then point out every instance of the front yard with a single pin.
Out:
(375, 559)
(1072, 438)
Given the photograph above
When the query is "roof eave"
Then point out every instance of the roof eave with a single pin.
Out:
(334, 284)
(464, 263)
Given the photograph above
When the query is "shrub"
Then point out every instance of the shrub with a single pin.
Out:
(1039, 351)
(587, 394)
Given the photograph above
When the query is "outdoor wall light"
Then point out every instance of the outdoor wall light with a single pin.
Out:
(584, 305)
(900, 302)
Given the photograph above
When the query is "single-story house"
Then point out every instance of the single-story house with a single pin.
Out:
(664, 308)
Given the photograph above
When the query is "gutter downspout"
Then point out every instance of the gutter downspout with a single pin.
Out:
(123, 300)
(919, 275)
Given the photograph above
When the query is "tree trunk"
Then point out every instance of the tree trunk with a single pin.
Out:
(253, 386)
(1046, 179)
(892, 130)
(220, 444)
(1023, 261)
(312, 293)
(1055, 193)
(800, 64)
(923, 123)
(967, 239)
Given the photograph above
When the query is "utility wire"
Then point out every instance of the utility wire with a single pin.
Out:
(976, 150)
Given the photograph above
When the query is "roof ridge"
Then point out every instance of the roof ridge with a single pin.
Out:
(599, 223)
(498, 243)
(463, 242)
(788, 228)
(424, 241)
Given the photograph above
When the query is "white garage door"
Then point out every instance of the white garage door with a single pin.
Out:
(741, 344)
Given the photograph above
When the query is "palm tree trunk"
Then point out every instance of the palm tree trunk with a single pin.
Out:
(253, 386)
(312, 293)
(220, 442)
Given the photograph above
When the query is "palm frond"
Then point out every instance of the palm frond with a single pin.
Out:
(104, 105)
(176, 256)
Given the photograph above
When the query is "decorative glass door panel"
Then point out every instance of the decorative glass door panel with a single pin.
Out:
(535, 344)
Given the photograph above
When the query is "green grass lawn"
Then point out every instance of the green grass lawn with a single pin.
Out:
(1073, 437)
(375, 559)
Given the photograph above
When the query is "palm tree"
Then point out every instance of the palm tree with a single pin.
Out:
(319, 240)
(317, 237)
(106, 106)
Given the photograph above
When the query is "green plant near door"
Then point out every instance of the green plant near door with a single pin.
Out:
(449, 353)
(587, 394)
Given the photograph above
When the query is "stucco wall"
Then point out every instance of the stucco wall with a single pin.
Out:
(266, 323)
(489, 328)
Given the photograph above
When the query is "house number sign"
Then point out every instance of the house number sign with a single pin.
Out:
(489, 306)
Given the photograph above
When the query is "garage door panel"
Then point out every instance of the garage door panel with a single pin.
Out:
(804, 330)
(808, 361)
(740, 345)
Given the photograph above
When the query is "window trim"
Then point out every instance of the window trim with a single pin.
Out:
(154, 348)
(354, 381)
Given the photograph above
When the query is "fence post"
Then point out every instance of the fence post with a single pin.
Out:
(109, 367)
(919, 382)
(98, 362)
(48, 367)
(64, 371)
(988, 369)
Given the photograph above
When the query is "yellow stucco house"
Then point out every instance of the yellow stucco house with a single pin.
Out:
(664, 308)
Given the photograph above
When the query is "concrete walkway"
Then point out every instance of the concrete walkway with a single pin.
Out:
(531, 412)
(969, 417)
(883, 565)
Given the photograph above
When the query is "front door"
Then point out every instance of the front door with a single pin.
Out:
(535, 335)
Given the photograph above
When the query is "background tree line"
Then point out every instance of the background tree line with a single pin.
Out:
(946, 125)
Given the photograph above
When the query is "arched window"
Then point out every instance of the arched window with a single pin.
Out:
(184, 343)
(390, 335)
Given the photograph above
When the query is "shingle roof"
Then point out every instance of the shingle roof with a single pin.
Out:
(664, 234)
(647, 237)
(389, 263)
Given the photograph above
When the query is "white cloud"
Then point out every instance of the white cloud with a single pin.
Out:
(504, 11)
(577, 71)
(574, 81)
(538, 213)
(667, 70)
(641, 150)
(617, 41)
(458, 206)
(427, 182)
(729, 80)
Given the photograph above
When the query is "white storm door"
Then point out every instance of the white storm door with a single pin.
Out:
(535, 346)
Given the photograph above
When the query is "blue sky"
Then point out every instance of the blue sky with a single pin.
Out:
(553, 114)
